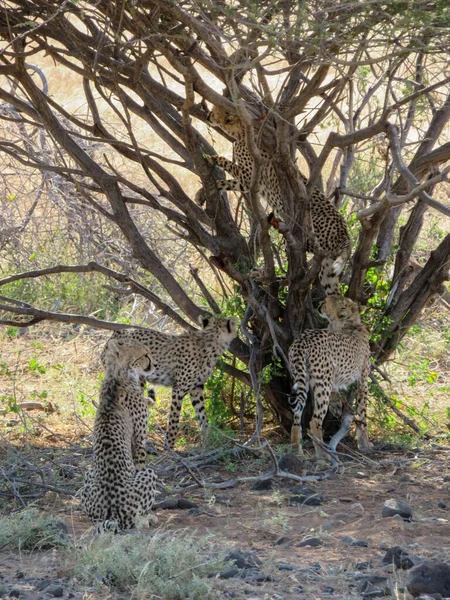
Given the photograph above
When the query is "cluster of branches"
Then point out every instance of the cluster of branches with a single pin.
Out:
(355, 71)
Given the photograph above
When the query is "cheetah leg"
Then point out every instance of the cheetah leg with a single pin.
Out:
(297, 401)
(174, 417)
(321, 393)
(197, 401)
(361, 407)
(144, 486)
(240, 183)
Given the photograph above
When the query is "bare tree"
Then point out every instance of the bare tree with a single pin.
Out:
(348, 87)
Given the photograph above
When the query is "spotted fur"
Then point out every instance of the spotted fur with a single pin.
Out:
(324, 361)
(115, 492)
(184, 362)
(329, 226)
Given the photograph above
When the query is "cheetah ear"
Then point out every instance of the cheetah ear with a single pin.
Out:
(113, 346)
(204, 321)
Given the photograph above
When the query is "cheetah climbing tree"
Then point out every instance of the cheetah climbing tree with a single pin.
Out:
(105, 143)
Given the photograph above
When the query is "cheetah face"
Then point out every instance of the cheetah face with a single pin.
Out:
(230, 123)
(339, 309)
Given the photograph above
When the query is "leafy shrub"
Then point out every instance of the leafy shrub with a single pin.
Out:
(31, 530)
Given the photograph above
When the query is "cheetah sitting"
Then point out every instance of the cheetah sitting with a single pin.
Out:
(115, 492)
(329, 226)
(330, 360)
(184, 362)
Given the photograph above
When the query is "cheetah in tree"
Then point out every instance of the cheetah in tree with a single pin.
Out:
(329, 226)
(327, 361)
(184, 362)
(115, 491)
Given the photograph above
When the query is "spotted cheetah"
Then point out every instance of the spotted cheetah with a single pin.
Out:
(115, 492)
(329, 226)
(330, 360)
(184, 362)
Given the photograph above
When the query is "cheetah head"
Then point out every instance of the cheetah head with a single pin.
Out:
(225, 327)
(337, 309)
(120, 354)
(228, 122)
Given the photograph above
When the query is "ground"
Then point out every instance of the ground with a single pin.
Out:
(45, 452)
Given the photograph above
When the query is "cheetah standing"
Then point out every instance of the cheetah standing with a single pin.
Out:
(330, 360)
(115, 492)
(184, 362)
(329, 226)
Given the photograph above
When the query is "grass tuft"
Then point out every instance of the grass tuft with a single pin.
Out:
(170, 565)
(31, 530)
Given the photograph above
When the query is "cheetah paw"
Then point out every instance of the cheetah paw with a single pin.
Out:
(210, 158)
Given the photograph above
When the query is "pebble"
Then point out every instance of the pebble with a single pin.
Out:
(351, 541)
(314, 542)
(398, 557)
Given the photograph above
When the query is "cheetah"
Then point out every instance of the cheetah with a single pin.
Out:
(184, 362)
(330, 360)
(115, 492)
(329, 226)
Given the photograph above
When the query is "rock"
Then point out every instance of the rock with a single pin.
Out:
(361, 475)
(363, 565)
(287, 567)
(314, 542)
(305, 495)
(373, 586)
(429, 578)
(57, 591)
(16, 592)
(442, 504)
(428, 597)
(398, 557)
(169, 504)
(243, 560)
(351, 541)
(346, 500)
(184, 504)
(395, 506)
(43, 584)
(283, 541)
(292, 464)
(229, 573)
(262, 486)
(328, 589)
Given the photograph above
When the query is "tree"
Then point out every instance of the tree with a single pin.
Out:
(372, 80)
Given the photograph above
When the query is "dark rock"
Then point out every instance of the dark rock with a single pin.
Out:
(43, 584)
(328, 590)
(229, 573)
(283, 541)
(16, 592)
(429, 578)
(252, 576)
(262, 486)
(361, 475)
(395, 506)
(310, 541)
(243, 560)
(399, 557)
(287, 567)
(291, 463)
(305, 495)
(346, 500)
(184, 504)
(351, 541)
(373, 586)
(57, 591)
(446, 478)
(363, 565)
(169, 504)
(442, 504)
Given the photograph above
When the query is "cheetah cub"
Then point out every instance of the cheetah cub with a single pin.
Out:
(115, 492)
(184, 362)
(326, 361)
(329, 226)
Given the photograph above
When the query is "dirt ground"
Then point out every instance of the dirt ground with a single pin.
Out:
(269, 525)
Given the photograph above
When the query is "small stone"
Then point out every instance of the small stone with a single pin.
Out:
(314, 542)
(395, 506)
(292, 464)
(287, 567)
(283, 541)
(262, 486)
(16, 592)
(398, 557)
(328, 590)
(446, 478)
(363, 565)
(243, 560)
(229, 573)
(429, 578)
(361, 475)
(442, 504)
(375, 585)
(184, 504)
(346, 500)
(43, 584)
(57, 591)
(305, 495)
(351, 541)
